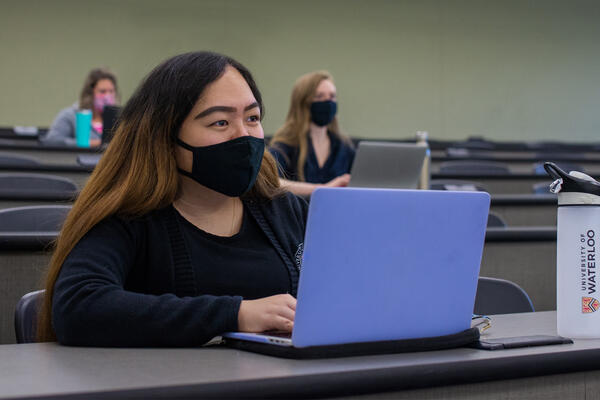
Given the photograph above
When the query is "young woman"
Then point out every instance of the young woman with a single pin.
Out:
(182, 232)
(99, 90)
(310, 149)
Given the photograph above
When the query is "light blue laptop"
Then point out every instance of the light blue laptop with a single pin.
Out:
(385, 265)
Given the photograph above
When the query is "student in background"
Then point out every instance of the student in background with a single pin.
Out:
(310, 148)
(182, 232)
(99, 90)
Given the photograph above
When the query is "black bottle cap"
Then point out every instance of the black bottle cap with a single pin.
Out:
(564, 182)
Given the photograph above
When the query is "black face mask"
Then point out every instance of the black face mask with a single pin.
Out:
(230, 167)
(323, 112)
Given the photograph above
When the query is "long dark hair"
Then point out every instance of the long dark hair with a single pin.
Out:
(138, 173)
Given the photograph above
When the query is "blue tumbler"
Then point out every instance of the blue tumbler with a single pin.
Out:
(83, 126)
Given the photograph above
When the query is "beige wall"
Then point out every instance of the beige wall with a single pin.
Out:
(504, 69)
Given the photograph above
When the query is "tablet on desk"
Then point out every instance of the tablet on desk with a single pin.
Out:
(519, 341)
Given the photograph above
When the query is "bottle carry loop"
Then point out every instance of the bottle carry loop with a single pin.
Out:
(573, 188)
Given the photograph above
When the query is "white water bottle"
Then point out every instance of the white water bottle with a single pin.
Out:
(422, 137)
(577, 252)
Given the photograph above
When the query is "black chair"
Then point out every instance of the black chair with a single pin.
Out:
(456, 185)
(495, 221)
(26, 313)
(20, 132)
(88, 160)
(475, 143)
(17, 160)
(554, 147)
(33, 218)
(499, 296)
(36, 185)
(538, 168)
(474, 167)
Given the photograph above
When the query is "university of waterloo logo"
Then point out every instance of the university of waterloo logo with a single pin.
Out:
(589, 305)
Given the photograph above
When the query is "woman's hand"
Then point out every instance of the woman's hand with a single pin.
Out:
(267, 314)
(340, 181)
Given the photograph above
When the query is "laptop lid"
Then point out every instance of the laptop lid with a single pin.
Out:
(388, 265)
(387, 165)
(110, 114)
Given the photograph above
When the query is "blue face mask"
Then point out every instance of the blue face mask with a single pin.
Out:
(323, 112)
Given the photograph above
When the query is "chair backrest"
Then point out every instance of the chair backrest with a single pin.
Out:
(474, 167)
(88, 160)
(26, 316)
(456, 185)
(538, 168)
(499, 296)
(495, 221)
(26, 182)
(33, 218)
(475, 143)
(10, 160)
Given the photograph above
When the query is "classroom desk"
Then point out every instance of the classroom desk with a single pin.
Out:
(22, 134)
(77, 173)
(46, 153)
(525, 209)
(54, 371)
(517, 183)
(590, 168)
(519, 162)
(591, 157)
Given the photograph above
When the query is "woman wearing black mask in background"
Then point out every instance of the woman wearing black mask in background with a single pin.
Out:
(310, 149)
(182, 232)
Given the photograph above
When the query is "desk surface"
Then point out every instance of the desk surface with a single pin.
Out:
(48, 369)
(13, 144)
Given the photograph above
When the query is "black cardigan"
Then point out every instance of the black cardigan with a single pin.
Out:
(129, 282)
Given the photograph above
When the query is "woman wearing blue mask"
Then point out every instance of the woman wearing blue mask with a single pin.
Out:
(310, 148)
(183, 231)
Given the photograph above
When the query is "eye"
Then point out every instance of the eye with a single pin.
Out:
(220, 123)
(254, 118)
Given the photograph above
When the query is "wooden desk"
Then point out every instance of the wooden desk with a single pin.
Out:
(54, 371)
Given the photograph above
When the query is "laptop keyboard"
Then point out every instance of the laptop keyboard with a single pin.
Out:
(280, 334)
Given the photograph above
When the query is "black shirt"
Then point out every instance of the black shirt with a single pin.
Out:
(338, 163)
(229, 266)
(127, 281)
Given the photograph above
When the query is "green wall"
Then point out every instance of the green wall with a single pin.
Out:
(507, 70)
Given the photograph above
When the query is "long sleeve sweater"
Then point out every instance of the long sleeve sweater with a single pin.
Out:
(129, 282)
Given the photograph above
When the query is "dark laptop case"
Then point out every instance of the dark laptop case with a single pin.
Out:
(461, 339)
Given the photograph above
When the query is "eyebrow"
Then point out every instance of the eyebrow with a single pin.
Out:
(211, 110)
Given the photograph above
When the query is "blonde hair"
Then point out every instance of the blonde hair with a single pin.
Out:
(296, 126)
(138, 173)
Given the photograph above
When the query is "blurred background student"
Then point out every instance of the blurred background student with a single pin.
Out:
(310, 148)
(99, 90)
